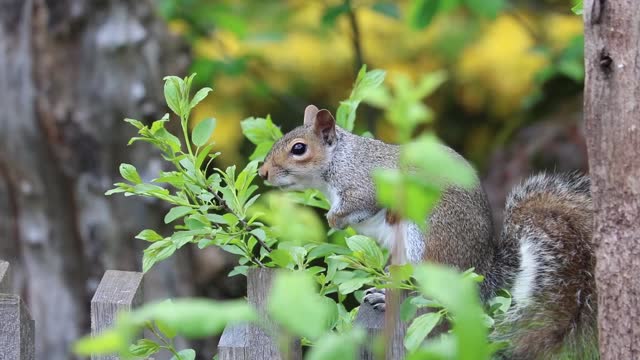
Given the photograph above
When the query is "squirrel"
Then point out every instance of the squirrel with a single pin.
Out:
(544, 254)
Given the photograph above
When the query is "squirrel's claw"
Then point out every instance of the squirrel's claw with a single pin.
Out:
(376, 298)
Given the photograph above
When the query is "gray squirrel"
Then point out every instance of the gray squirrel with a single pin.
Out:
(544, 255)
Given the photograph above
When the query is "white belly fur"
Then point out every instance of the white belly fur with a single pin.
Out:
(377, 228)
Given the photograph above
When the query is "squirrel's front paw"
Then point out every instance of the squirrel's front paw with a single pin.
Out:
(375, 297)
(335, 221)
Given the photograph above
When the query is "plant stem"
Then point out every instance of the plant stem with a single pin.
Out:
(244, 223)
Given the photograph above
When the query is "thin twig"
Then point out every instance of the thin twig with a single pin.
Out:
(355, 30)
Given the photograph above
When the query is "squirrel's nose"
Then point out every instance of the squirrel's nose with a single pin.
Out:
(263, 171)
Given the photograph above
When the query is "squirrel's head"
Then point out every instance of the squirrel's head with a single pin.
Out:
(298, 160)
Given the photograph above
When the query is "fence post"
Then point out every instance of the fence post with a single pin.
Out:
(5, 281)
(17, 329)
(234, 343)
(372, 321)
(393, 324)
(245, 342)
(118, 291)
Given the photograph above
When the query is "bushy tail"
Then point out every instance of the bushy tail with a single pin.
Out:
(548, 228)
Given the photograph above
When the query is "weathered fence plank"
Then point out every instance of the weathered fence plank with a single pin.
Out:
(5, 280)
(17, 330)
(393, 324)
(372, 321)
(118, 291)
(259, 282)
(244, 342)
(234, 343)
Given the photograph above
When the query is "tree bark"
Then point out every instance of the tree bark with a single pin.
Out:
(70, 71)
(612, 114)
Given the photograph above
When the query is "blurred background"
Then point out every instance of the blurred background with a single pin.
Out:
(71, 70)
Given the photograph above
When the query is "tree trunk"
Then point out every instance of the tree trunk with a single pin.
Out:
(612, 112)
(70, 71)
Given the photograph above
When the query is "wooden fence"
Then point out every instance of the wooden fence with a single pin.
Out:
(122, 291)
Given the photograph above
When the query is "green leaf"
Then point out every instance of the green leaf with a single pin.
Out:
(401, 273)
(422, 12)
(176, 213)
(129, 172)
(408, 309)
(165, 330)
(333, 12)
(202, 132)
(195, 317)
(578, 8)
(259, 130)
(172, 93)
(144, 348)
(373, 256)
(293, 297)
(486, 8)
(139, 125)
(387, 8)
(186, 354)
(352, 285)
(199, 96)
(149, 235)
(365, 84)
(419, 329)
(107, 342)
(323, 250)
(460, 297)
(337, 346)
(281, 258)
(431, 157)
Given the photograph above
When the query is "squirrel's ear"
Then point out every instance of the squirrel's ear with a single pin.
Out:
(325, 126)
(310, 114)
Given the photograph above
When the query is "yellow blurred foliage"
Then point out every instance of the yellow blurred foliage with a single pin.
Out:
(498, 70)
(560, 29)
(494, 72)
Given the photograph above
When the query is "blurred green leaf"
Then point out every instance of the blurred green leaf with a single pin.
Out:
(332, 13)
(578, 8)
(389, 9)
(422, 12)
(293, 297)
(333, 346)
(486, 8)
(187, 354)
(107, 342)
(460, 296)
(194, 317)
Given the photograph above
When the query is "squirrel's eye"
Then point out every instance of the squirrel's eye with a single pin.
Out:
(298, 149)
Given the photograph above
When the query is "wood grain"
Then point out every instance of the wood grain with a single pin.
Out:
(118, 291)
(17, 329)
(612, 118)
(372, 321)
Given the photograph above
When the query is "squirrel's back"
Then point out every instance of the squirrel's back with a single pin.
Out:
(545, 256)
